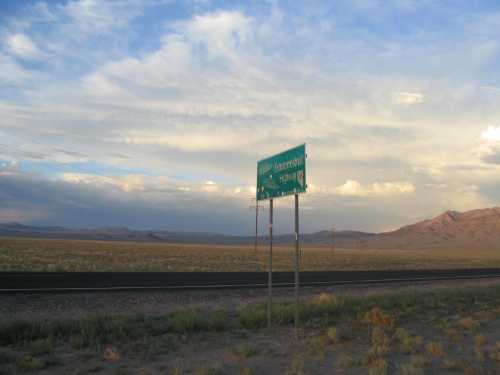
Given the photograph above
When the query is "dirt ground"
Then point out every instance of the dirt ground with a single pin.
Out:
(449, 338)
(77, 305)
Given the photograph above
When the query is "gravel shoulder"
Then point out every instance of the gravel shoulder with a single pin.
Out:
(41, 306)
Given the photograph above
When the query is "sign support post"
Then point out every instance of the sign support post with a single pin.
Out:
(270, 266)
(256, 224)
(296, 265)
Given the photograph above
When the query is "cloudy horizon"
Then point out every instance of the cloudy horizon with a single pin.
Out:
(153, 114)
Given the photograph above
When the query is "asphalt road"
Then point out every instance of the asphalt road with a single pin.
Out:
(25, 282)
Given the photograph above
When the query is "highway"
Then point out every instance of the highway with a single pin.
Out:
(38, 282)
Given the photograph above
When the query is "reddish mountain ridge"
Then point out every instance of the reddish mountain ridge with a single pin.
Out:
(472, 229)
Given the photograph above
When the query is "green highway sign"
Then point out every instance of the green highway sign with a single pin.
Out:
(282, 174)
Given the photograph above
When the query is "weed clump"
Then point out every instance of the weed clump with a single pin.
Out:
(409, 344)
(410, 369)
(194, 320)
(246, 371)
(378, 367)
(319, 345)
(468, 324)
(324, 302)
(253, 316)
(41, 346)
(245, 350)
(297, 366)
(332, 335)
(377, 317)
(30, 363)
(479, 347)
(434, 349)
(210, 370)
(495, 352)
(380, 343)
(452, 365)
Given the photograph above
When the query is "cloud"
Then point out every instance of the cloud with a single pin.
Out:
(492, 134)
(223, 32)
(134, 90)
(489, 153)
(11, 72)
(126, 183)
(15, 215)
(90, 201)
(354, 188)
(490, 89)
(92, 16)
(22, 46)
(489, 149)
(409, 98)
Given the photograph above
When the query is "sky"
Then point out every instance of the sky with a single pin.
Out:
(153, 114)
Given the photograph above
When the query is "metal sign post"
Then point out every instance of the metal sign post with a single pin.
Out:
(277, 176)
(270, 267)
(296, 265)
(256, 225)
(258, 209)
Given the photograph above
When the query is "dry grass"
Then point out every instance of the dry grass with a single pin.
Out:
(384, 340)
(27, 254)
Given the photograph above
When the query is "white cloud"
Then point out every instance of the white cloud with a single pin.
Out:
(22, 46)
(11, 72)
(126, 183)
(490, 89)
(149, 186)
(93, 16)
(198, 139)
(489, 149)
(491, 134)
(356, 189)
(409, 98)
(222, 32)
(210, 187)
(9, 168)
(437, 186)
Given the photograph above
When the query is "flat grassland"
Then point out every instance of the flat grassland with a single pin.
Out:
(33, 254)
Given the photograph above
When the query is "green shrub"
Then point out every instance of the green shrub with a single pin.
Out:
(245, 350)
(253, 316)
(29, 363)
(297, 366)
(210, 370)
(194, 321)
(332, 335)
(41, 346)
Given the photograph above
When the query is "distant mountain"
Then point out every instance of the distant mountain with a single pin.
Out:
(472, 229)
(323, 238)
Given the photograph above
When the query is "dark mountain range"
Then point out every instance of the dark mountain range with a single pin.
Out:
(323, 238)
(472, 229)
